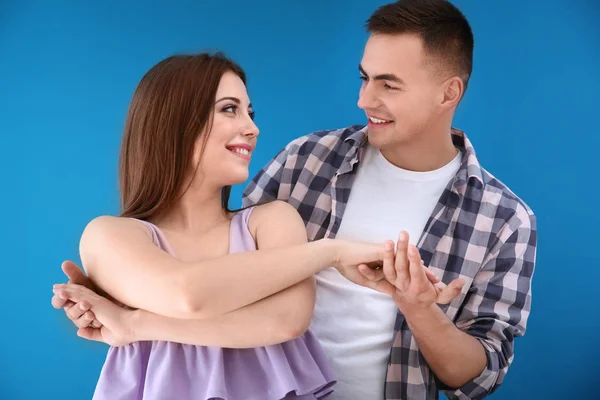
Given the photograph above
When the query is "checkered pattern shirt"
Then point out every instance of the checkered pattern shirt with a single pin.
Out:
(479, 231)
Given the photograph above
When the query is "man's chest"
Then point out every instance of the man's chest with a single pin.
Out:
(375, 213)
(354, 209)
(365, 207)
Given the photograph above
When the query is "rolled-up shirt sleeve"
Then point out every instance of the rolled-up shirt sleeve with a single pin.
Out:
(499, 303)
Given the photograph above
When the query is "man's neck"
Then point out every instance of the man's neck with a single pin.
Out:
(427, 153)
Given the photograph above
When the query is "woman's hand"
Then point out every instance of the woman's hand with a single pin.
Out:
(116, 321)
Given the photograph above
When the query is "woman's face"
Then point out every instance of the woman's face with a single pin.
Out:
(232, 138)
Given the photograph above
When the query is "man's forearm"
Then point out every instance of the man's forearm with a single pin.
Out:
(275, 319)
(454, 356)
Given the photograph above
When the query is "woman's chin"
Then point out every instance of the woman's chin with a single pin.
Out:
(236, 179)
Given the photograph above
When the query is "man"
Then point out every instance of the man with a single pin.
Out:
(408, 169)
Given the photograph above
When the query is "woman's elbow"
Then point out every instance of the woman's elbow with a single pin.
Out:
(299, 317)
(295, 329)
(190, 308)
(189, 300)
(295, 323)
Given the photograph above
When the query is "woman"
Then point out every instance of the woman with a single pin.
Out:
(191, 271)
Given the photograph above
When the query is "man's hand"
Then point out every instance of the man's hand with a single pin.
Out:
(413, 284)
(453, 355)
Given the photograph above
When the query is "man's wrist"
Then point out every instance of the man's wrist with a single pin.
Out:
(420, 314)
(413, 310)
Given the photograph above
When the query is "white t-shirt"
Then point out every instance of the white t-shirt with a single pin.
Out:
(355, 325)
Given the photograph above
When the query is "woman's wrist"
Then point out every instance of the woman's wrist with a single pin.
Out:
(136, 326)
(330, 250)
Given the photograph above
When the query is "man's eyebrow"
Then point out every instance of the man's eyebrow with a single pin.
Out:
(381, 77)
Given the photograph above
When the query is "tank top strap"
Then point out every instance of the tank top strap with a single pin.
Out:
(240, 238)
(159, 238)
(153, 230)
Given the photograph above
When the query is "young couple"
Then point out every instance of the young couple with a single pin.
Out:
(302, 294)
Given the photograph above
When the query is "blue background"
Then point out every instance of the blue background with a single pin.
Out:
(67, 73)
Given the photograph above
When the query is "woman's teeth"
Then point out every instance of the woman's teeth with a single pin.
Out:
(241, 151)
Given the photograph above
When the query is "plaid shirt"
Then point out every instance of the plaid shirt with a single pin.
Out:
(479, 231)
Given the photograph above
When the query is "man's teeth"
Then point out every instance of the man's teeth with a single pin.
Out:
(378, 121)
(241, 151)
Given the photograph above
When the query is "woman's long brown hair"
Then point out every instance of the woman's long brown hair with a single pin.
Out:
(172, 105)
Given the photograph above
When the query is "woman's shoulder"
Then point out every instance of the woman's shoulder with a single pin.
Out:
(274, 218)
(111, 226)
(276, 209)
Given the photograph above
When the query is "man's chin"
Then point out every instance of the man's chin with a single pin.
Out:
(378, 139)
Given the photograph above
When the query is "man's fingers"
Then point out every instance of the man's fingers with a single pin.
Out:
(417, 272)
(457, 283)
(450, 292)
(389, 271)
(430, 275)
(401, 263)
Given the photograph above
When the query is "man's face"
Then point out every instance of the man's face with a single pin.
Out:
(400, 92)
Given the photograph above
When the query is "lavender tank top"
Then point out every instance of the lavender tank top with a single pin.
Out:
(156, 370)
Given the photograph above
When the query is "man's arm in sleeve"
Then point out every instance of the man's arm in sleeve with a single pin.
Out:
(499, 304)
